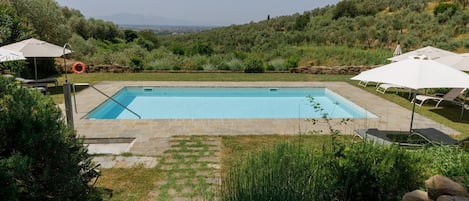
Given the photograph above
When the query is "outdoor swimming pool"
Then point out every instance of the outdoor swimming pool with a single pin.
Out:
(226, 103)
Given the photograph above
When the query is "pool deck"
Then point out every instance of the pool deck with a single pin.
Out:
(390, 115)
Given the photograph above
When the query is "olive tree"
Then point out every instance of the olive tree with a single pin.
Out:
(45, 18)
(11, 28)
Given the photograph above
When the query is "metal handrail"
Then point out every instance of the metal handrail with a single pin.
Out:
(120, 104)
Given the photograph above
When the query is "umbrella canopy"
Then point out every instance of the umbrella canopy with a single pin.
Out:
(37, 48)
(8, 55)
(417, 74)
(428, 52)
(458, 61)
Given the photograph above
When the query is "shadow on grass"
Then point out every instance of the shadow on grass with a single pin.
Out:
(446, 109)
(451, 112)
(60, 91)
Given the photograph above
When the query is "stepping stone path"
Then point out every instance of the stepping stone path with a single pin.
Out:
(192, 169)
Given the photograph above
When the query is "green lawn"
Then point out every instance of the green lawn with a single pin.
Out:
(128, 183)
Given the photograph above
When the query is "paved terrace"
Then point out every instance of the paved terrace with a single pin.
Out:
(390, 115)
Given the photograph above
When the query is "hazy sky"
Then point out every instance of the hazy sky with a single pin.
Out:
(203, 12)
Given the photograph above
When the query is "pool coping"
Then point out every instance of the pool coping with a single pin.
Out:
(390, 115)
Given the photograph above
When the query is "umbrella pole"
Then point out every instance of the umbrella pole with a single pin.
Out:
(413, 111)
(35, 69)
(462, 107)
(67, 95)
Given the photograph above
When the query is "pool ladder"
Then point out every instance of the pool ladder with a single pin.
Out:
(107, 96)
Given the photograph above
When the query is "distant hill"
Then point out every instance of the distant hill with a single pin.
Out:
(166, 29)
(366, 24)
(126, 18)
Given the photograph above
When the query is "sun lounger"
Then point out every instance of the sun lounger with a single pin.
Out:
(382, 88)
(38, 83)
(435, 136)
(418, 137)
(364, 83)
(35, 83)
(451, 96)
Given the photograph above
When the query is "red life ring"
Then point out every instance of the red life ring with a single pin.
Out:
(78, 67)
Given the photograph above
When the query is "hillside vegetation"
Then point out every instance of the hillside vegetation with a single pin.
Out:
(353, 32)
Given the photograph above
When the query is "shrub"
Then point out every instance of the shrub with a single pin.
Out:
(292, 62)
(223, 67)
(235, 65)
(40, 157)
(136, 63)
(376, 172)
(194, 63)
(164, 63)
(177, 48)
(270, 67)
(277, 64)
(17, 68)
(201, 48)
(208, 67)
(253, 65)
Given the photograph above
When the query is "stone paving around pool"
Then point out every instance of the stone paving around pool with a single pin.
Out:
(390, 115)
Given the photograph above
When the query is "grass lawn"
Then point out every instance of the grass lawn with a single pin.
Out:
(128, 183)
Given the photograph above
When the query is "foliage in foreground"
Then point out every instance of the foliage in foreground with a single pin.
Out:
(361, 171)
(40, 157)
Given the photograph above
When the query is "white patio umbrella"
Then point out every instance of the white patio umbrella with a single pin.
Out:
(8, 55)
(428, 52)
(458, 61)
(397, 51)
(417, 74)
(35, 48)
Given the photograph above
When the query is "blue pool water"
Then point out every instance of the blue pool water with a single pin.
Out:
(226, 103)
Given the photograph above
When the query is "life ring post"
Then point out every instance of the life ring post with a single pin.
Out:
(78, 67)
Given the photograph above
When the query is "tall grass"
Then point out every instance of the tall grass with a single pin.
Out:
(360, 171)
(288, 172)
